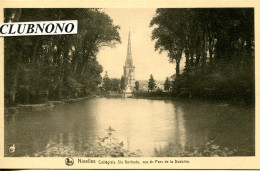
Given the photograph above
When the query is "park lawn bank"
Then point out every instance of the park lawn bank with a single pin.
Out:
(43, 106)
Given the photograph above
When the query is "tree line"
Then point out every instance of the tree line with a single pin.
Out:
(112, 84)
(119, 85)
(115, 84)
(217, 46)
(40, 68)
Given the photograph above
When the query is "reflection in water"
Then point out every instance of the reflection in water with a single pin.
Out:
(139, 123)
(180, 127)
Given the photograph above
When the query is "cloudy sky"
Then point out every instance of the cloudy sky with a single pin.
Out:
(146, 60)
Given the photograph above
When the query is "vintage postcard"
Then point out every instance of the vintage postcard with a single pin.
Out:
(129, 84)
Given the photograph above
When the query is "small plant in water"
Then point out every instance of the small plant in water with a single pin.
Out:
(107, 146)
(110, 147)
(210, 149)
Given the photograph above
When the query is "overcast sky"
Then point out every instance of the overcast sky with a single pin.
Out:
(146, 60)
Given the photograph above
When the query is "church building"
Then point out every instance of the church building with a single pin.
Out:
(129, 68)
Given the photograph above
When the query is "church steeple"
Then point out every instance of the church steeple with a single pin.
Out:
(129, 68)
(129, 60)
(129, 53)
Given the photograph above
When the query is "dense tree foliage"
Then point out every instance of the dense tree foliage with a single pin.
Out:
(218, 48)
(115, 85)
(151, 83)
(39, 68)
(107, 83)
(111, 85)
(167, 84)
(122, 83)
(137, 85)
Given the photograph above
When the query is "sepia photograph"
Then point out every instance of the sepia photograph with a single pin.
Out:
(166, 82)
(114, 86)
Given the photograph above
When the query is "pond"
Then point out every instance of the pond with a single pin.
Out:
(144, 124)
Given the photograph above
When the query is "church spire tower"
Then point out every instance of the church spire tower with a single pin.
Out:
(129, 68)
(129, 53)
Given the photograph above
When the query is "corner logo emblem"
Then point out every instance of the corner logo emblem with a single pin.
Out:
(69, 161)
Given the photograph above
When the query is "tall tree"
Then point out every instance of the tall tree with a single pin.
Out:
(122, 83)
(209, 39)
(169, 34)
(137, 85)
(167, 84)
(115, 84)
(107, 83)
(151, 83)
(46, 64)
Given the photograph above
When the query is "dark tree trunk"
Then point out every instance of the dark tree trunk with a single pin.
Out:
(12, 96)
(34, 53)
(204, 50)
(83, 69)
(191, 59)
(197, 59)
(211, 44)
(177, 67)
(33, 84)
(75, 67)
(14, 86)
(210, 56)
(59, 75)
(187, 66)
(60, 84)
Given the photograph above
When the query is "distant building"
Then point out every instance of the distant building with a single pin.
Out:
(129, 68)
(160, 86)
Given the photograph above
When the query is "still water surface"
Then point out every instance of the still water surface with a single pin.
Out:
(140, 123)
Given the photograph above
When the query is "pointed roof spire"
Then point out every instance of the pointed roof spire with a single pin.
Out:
(129, 53)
